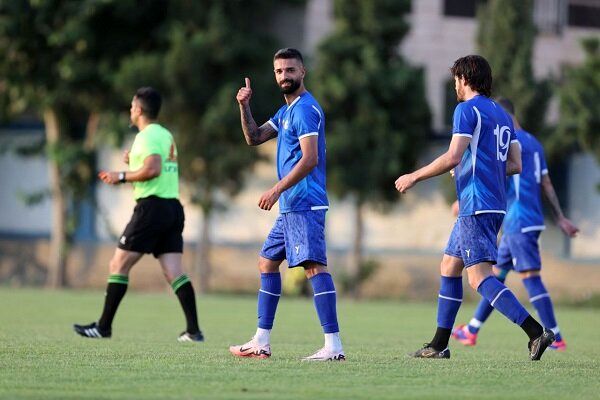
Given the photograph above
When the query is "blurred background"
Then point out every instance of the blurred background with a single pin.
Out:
(379, 68)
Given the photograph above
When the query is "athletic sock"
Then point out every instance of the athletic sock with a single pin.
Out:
(263, 336)
(182, 286)
(115, 290)
(441, 338)
(532, 328)
(325, 301)
(539, 297)
(449, 300)
(268, 298)
(484, 309)
(502, 299)
(333, 342)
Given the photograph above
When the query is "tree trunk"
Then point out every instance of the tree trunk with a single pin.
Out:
(57, 262)
(203, 245)
(356, 258)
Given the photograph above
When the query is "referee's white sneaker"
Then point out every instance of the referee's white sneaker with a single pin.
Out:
(91, 331)
(326, 355)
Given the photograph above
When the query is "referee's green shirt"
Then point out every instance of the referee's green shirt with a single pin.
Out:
(154, 139)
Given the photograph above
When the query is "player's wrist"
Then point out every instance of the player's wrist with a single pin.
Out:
(122, 177)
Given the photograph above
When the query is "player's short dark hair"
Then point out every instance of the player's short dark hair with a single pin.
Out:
(506, 104)
(288, 53)
(476, 71)
(150, 101)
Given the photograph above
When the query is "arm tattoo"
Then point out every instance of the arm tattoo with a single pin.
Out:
(254, 134)
(249, 125)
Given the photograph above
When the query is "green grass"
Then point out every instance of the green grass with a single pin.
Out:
(40, 357)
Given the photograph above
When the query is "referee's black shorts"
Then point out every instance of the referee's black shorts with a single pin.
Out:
(155, 227)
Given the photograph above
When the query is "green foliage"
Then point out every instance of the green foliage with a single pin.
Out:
(375, 106)
(60, 56)
(210, 46)
(506, 36)
(579, 97)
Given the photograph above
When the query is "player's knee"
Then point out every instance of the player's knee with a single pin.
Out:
(529, 274)
(311, 270)
(266, 266)
(118, 266)
(474, 282)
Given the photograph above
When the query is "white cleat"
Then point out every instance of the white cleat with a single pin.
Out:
(326, 355)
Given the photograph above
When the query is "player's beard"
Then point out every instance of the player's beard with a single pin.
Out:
(294, 85)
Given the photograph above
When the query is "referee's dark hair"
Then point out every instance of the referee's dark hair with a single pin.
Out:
(506, 104)
(150, 101)
(288, 53)
(476, 71)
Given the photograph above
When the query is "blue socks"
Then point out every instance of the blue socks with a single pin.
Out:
(502, 299)
(484, 309)
(268, 297)
(449, 300)
(539, 297)
(325, 301)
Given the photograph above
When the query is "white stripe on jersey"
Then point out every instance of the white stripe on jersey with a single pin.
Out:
(308, 134)
(533, 228)
(273, 125)
(320, 117)
(314, 208)
(475, 140)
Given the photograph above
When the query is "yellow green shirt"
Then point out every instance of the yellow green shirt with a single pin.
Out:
(154, 139)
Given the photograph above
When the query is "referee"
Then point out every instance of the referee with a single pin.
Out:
(157, 223)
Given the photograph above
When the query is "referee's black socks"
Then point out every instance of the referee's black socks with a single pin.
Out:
(115, 290)
(182, 286)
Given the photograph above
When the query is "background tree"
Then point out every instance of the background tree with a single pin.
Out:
(579, 105)
(56, 61)
(376, 112)
(211, 46)
(506, 36)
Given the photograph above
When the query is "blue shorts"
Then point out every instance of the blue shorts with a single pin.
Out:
(520, 251)
(474, 238)
(298, 237)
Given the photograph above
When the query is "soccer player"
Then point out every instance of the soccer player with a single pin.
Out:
(519, 249)
(298, 234)
(483, 150)
(157, 223)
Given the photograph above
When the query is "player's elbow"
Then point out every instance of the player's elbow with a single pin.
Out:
(453, 160)
(152, 172)
(513, 168)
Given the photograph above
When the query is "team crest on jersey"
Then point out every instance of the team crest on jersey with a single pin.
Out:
(286, 124)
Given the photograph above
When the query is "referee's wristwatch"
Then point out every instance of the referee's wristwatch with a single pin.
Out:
(122, 177)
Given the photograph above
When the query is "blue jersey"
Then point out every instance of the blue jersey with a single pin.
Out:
(524, 192)
(481, 175)
(303, 118)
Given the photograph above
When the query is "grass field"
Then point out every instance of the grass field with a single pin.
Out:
(40, 357)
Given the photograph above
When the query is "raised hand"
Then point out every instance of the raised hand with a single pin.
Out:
(244, 94)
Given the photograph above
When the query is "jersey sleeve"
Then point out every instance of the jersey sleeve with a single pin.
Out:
(543, 165)
(307, 121)
(274, 120)
(464, 121)
(148, 146)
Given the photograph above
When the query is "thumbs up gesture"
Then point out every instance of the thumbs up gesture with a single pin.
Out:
(244, 94)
